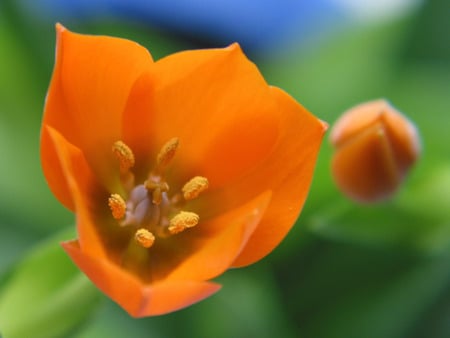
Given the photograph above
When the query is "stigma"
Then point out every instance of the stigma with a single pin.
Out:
(150, 207)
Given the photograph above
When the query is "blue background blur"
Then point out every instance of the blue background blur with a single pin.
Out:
(344, 270)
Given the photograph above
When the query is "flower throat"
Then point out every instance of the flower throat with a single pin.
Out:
(148, 206)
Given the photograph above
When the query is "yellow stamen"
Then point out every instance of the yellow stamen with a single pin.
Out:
(144, 238)
(167, 153)
(195, 187)
(117, 206)
(124, 155)
(182, 221)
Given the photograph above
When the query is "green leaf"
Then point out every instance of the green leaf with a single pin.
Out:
(428, 199)
(46, 296)
(418, 219)
(22, 95)
(248, 305)
(13, 242)
(353, 291)
(113, 322)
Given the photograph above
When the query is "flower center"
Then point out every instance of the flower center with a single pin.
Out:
(149, 207)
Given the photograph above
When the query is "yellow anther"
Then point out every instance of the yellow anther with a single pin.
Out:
(182, 221)
(124, 155)
(167, 153)
(195, 187)
(144, 238)
(117, 206)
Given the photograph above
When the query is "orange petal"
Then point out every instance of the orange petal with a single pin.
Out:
(219, 106)
(138, 125)
(55, 174)
(217, 242)
(375, 146)
(287, 173)
(91, 82)
(80, 184)
(402, 133)
(374, 175)
(404, 138)
(137, 298)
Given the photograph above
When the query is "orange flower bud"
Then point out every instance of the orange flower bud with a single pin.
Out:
(375, 146)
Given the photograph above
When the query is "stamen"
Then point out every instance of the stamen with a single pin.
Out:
(166, 153)
(195, 187)
(117, 206)
(144, 238)
(182, 221)
(124, 155)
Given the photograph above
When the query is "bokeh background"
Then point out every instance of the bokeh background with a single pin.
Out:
(345, 270)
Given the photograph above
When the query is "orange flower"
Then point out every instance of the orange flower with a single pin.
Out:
(176, 170)
(375, 148)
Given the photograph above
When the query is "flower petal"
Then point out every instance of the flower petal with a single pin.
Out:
(55, 175)
(79, 182)
(138, 125)
(137, 298)
(219, 106)
(365, 167)
(402, 133)
(91, 82)
(287, 172)
(219, 241)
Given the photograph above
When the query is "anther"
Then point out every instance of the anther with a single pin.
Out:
(195, 187)
(182, 221)
(166, 153)
(144, 238)
(124, 155)
(117, 206)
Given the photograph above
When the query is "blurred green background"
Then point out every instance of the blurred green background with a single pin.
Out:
(344, 270)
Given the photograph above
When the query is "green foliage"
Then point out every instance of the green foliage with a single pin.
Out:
(46, 295)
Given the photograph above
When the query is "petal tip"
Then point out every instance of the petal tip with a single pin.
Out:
(60, 28)
(68, 242)
(234, 47)
(324, 125)
(169, 297)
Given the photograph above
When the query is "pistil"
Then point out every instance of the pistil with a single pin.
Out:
(156, 189)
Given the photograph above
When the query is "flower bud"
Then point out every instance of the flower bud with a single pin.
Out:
(375, 146)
